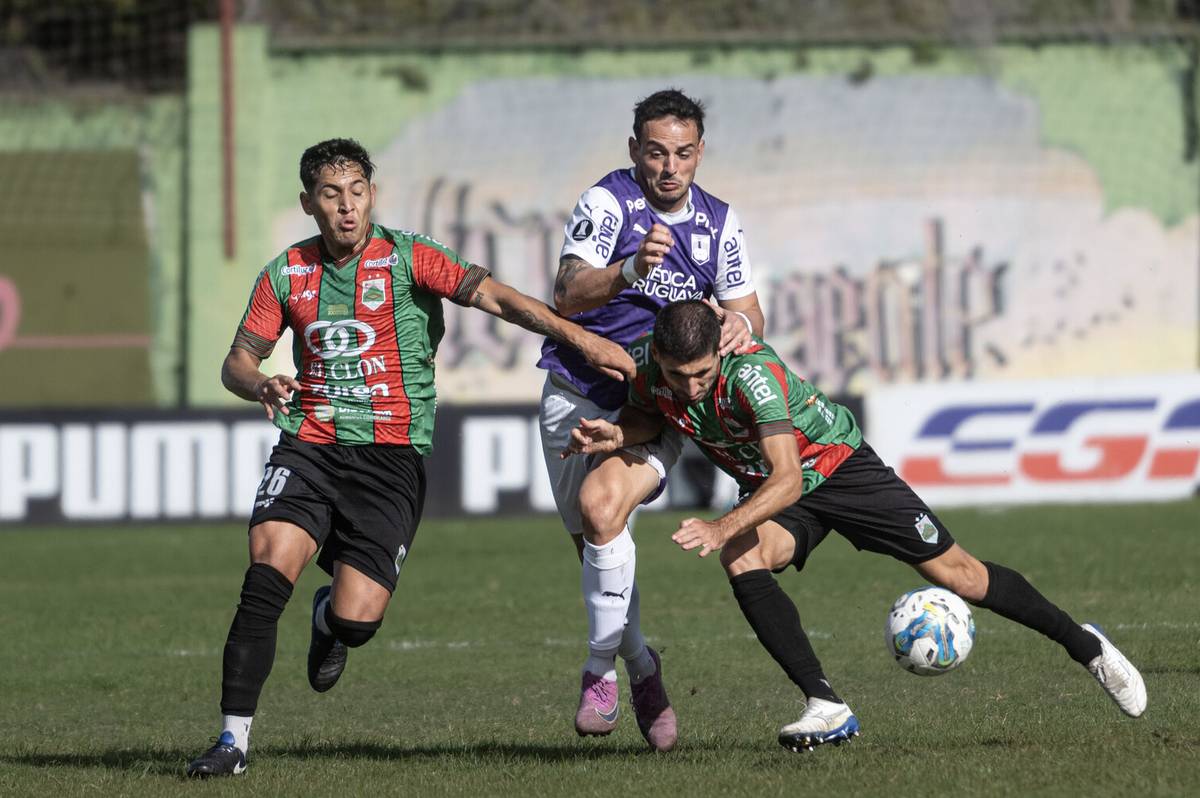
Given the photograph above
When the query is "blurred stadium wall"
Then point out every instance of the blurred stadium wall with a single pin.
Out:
(933, 193)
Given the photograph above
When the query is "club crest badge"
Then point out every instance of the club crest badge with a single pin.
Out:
(700, 247)
(373, 294)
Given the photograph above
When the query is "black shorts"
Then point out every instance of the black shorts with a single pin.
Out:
(865, 502)
(361, 504)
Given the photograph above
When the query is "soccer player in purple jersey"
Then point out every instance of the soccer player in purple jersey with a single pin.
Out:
(639, 238)
(804, 470)
(347, 478)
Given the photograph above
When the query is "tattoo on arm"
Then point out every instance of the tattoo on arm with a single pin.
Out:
(522, 318)
(568, 269)
(526, 319)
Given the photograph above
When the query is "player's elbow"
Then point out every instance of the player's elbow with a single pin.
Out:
(566, 304)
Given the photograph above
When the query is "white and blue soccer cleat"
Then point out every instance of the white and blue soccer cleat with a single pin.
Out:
(1117, 675)
(821, 722)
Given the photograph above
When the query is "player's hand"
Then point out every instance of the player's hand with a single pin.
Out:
(698, 533)
(593, 436)
(608, 358)
(653, 249)
(275, 392)
(735, 330)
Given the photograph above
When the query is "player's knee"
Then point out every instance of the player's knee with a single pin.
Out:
(352, 633)
(960, 573)
(738, 559)
(600, 506)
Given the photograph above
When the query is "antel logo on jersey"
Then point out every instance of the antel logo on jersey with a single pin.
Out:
(1044, 448)
(346, 338)
(382, 263)
(606, 237)
(758, 385)
(302, 269)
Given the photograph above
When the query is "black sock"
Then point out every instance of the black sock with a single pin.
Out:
(250, 647)
(1010, 595)
(774, 618)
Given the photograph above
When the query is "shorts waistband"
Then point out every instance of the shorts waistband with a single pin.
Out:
(557, 381)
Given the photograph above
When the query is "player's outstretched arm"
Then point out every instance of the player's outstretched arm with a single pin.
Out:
(508, 303)
(241, 376)
(599, 436)
(581, 286)
(783, 487)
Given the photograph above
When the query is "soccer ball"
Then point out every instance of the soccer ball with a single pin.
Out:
(929, 631)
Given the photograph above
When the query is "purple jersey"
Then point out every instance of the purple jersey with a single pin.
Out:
(612, 217)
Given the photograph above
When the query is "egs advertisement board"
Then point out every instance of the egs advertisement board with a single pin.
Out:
(1073, 440)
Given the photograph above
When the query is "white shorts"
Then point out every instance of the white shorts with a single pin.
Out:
(560, 411)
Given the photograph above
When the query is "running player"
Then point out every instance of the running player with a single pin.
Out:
(639, 238)
(347, 476)
(804, 470)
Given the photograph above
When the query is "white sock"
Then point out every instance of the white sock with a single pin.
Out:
(239, 727)
(320, 613)
(607, 583)
(638, 662)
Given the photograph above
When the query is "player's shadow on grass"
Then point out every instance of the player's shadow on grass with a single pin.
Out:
(172, 761)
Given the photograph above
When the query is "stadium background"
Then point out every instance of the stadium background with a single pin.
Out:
(976, 223)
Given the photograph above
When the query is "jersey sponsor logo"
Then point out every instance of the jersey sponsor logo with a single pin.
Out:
(382, 263)
(638, 204)
(350, 391)
(347, 338)
(307, 295)
(606, 236)
(582, 229)
(702, 221)
(663, 391)
(701, 244)
(374, 293)
(733, 261)
(350, 370)
(756, 383)
(663, 283)
(304, 268)
(337, 310)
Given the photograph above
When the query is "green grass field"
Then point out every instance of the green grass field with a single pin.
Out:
(111, 669)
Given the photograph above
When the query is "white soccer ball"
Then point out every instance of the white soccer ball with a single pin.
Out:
(929, 631)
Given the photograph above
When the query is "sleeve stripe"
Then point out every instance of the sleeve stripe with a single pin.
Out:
(781, 427)
(469, 284)
(252, 343)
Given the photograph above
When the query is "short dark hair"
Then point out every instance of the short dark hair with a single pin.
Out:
(333, 152)
(685, 331)
(668, 102)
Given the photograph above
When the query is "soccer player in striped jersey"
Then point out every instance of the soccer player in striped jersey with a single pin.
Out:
(804, 470)
(639, 238)
(364, 304)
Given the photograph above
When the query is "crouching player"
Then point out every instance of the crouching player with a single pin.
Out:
(804, 470)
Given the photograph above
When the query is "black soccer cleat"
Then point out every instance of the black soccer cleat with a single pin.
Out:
(223, 759)
(326, 654)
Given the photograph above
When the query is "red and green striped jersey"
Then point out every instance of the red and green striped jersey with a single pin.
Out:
(755, 393)
(365, 333)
